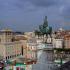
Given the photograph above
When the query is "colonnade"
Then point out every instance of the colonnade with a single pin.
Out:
(12, 56)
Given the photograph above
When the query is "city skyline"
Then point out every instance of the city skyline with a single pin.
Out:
(19, 15)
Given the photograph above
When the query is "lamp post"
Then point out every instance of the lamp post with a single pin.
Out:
(61, 60)
(26, 56)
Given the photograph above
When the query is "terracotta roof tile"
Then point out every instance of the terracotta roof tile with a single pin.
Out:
(15, 39)
(66, 36)
(22, 38)
(19, 38)
(63, 35)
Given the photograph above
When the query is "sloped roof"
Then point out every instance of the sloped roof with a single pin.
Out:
(69, 30)
(67, 36)
(63, 34)
(19, 38)
(15, 39)
(22, 38)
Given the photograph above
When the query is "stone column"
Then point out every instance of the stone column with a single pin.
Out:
(45, 57)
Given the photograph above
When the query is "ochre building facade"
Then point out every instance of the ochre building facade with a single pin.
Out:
(8, 48)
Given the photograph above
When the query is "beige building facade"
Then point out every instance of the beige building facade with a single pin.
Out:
(32, 47)
(24, 46)
(9, 49)
(23, 41)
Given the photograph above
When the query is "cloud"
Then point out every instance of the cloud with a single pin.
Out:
(65, 12)
(44, 3)
(61, 9)
(36, 3)
(65, 24)
(31, 13)
(65, 15)
(17, 3)
(1, 5)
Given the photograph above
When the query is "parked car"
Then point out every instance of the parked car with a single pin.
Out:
(2, 63)
(1, 68)
(63, 52)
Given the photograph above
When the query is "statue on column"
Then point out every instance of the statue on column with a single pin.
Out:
(45, 29)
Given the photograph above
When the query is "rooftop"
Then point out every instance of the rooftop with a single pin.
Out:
(19, 38)
(6, 30)
(67, 36)
(22, 38)
(58, 38)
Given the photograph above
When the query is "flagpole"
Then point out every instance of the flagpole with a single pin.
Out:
(26, 57)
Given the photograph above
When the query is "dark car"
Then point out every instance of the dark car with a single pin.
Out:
(2, 63)
(1, 68)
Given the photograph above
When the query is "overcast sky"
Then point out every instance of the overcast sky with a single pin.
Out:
(18, 15)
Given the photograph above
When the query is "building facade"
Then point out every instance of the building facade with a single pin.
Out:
(59, 42)
(24, 44)
(8, 48)
(67, 42)
(23, 41)
(32, 47)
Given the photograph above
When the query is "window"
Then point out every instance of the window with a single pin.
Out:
(67, 38)
(68, 44)
(31, 47)
(64, 41)
(67, 41)
(64, 44)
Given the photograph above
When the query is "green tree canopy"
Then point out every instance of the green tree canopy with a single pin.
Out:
(63, 49)
(37, 32)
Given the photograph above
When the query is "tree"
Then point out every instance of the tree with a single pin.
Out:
(55, 32)
(63, 49)
(37, 33)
